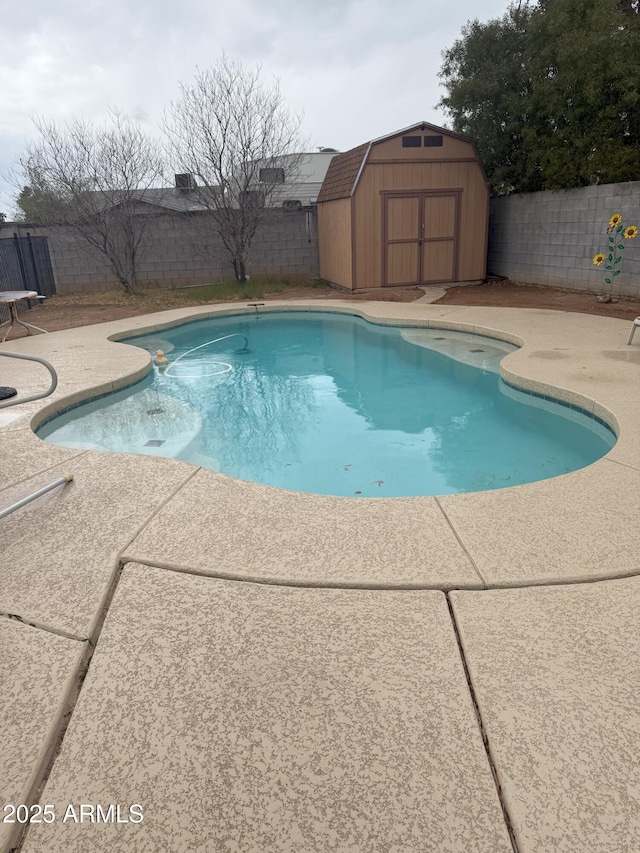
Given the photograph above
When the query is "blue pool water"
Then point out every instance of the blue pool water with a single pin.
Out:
(332, 404)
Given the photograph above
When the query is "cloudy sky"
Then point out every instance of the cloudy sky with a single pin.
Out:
(357, 69)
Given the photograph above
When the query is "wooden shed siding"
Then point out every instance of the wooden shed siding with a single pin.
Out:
(473, 225)
(451, 147)
(416, 176)
(334, 233)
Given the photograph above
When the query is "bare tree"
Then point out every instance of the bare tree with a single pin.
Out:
(235, 135)
(93, 179)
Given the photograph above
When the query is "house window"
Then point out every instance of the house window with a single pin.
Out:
(432, 141)
(411, 141)
(272, 176)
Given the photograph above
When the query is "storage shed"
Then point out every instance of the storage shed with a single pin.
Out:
(406, 209)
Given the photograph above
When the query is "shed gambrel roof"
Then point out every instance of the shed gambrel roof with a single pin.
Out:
(344, 170)
(342, 173)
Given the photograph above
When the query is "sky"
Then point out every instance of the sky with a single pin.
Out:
(355, 69)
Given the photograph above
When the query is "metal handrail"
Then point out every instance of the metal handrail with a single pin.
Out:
(54, 380)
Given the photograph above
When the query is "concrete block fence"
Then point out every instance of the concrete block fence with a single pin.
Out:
(183, 250)
(552, 237)
(537, 238)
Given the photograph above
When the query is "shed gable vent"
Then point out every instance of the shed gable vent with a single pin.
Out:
(432, 141)
(411, 141)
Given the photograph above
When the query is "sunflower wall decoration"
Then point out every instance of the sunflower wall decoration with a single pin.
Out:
(617, 232)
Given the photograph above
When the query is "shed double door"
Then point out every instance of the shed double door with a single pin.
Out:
(420, 237)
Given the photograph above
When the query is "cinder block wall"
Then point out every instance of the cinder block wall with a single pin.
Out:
(181, 250)
(552, 237)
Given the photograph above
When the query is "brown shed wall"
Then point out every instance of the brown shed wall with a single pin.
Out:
(335, 240)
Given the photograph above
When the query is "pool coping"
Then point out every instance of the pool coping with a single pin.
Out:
(540, 391)
(551, 346)
(574, 529)
(136, 326)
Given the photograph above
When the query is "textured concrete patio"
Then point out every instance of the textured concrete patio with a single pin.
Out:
(264, 670)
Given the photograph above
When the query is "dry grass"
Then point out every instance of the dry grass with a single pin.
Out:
(154, 299)
(70, 310)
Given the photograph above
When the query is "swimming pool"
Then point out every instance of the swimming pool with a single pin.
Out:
(332, 404)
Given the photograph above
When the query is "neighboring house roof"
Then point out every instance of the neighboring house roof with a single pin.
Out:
(313, 167)
(168, 198)
(302, 187)
(173, 199)
(344, 170)
(303, 181)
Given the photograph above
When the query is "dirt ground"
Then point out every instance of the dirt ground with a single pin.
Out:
(509, 294)
(69, 311)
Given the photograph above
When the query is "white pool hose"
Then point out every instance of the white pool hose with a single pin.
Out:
(61, 481)
(225, 365)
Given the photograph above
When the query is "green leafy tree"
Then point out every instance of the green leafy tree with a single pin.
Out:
(32, 206)
(551, 93)
(585, 69)
(488, 87)
(23, 210)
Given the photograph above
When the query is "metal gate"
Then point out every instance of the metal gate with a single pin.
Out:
(25, 264)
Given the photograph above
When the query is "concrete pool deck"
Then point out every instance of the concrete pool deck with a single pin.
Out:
(263, 670)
